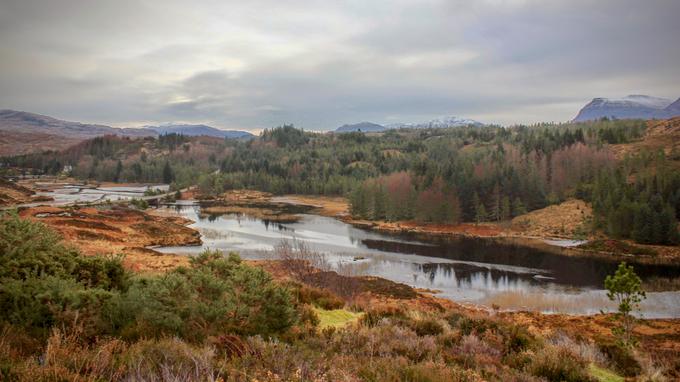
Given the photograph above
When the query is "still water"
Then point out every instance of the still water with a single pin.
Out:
(71, 193)
(477, 271)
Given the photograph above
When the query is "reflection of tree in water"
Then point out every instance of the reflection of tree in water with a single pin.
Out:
(278, 226)
(566, 270)
(466, 275)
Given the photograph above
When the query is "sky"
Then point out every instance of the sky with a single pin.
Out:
(320, 64)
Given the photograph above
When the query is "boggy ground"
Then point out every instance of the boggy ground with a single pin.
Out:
(13, 193)
(658, 338)
(123, 230)
(119, 230)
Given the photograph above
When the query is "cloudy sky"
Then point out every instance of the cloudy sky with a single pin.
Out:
(319, 64)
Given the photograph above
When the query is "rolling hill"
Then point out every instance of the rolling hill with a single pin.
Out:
(22, 132)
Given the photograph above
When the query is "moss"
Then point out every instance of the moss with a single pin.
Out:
(604, 375)
(336, 318)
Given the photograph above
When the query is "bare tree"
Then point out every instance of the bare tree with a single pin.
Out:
(299, 260)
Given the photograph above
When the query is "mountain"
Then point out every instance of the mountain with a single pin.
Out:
(22, 132)
(437, 123)
(23, 122)
(366, 127)
(674, 108)
(634, 106)
(194, 130)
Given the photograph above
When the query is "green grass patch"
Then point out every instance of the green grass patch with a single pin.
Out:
(336, 318)
(604, 375)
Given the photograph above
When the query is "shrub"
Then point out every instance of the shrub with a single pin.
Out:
(40, 303)
(621, 357)
(217, 294)
(518, 339)
(372, 317)
(44, 283)
(139, 204)
(31, 250)
(322, 298)
(169, 360)
(427, 327)
(471, 325)
(559, 365)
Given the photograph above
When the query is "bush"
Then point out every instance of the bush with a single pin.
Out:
(559, 365)
(41, 303)
(45, 283)
(139, 204)
(322, 298)
(32, 250)
(373, 317)
(471, 325)
(621, 357)
(427, 327)
(518, 339)
(216, 295)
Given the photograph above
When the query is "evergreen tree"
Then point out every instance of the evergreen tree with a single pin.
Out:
(496, 208)
(518, 207)
(168, 175)
(506, 212)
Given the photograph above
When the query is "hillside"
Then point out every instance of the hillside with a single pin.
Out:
(22, 132)
(660, 135)
(23, 122)
(566, 220)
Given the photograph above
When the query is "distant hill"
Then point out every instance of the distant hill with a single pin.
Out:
(22, 132)
(366, 127)
(629, 107)
(435, 123)
(196, 130)
(24, 122)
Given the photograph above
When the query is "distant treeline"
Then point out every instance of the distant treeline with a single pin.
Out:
(485, 173)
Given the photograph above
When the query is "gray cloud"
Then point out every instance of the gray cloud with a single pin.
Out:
(319, 64)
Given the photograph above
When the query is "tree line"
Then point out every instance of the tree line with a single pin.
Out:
(471, 174)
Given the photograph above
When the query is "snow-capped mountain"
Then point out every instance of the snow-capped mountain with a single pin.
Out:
(634, 106)
(440, 123)
(437, 123)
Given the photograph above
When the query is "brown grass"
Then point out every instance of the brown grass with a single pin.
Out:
(115, 230)
(565, 220)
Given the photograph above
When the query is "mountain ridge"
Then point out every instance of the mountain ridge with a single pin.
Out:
(443, 122)
(634, 106)
(24, 132)
(199, 129)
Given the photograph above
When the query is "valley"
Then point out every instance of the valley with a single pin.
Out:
(393, 244)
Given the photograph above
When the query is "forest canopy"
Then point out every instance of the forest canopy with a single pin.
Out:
(470, 174)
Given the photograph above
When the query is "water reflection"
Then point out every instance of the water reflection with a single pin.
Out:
(462, 269)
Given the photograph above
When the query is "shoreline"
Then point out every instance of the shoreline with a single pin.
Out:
(332, 207)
